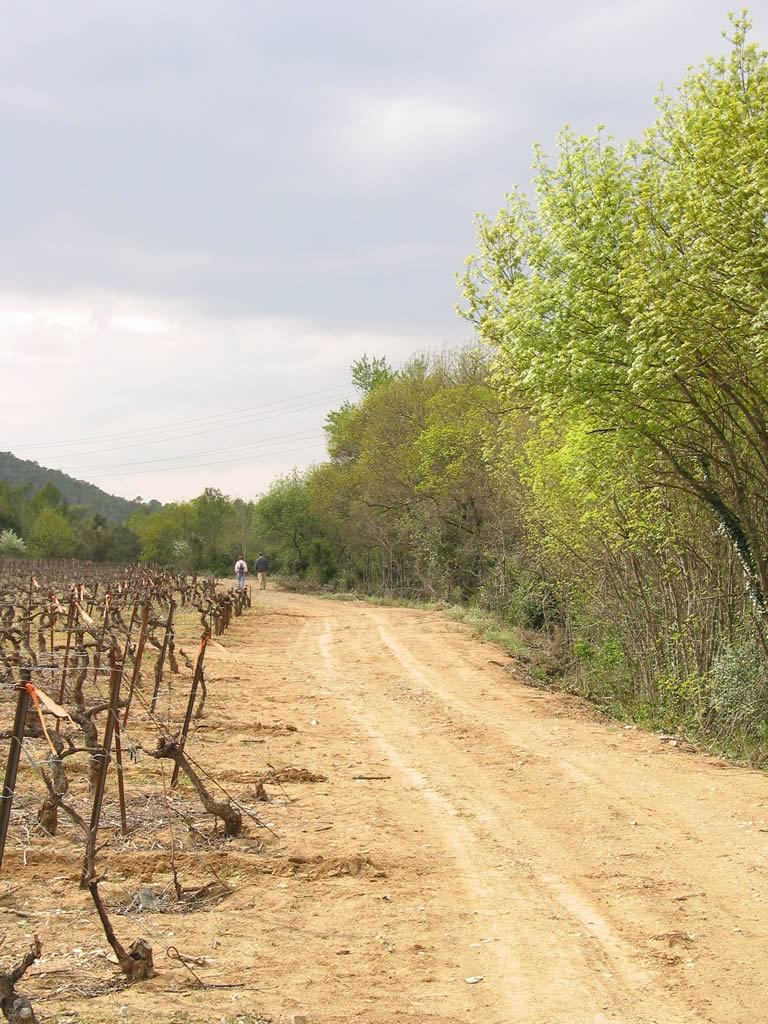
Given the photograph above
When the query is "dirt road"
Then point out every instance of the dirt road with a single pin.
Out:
(479, 850)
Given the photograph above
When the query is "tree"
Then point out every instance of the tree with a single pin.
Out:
(370, 374)
(12, 500)
(159, 531)
(635, 298)
(282, 522)
(51, 536)
(93, 538)
(48, 497)
(408, 501)
(214, 534)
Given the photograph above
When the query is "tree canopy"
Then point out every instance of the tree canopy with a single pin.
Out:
(633, 294)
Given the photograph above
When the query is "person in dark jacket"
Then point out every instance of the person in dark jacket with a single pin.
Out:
(261, 567)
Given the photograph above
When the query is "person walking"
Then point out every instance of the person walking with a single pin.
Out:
(241, 571)
(261, 566)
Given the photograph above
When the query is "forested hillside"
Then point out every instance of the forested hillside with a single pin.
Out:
(17, 472)
(46, 513)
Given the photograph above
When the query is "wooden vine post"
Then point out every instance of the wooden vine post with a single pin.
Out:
(109, 728)
(198, 673)
(14, 754)
(163, 652)
(139, 652)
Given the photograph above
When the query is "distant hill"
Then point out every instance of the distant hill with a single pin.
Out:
(77, 492)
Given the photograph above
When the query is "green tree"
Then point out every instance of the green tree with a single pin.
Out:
(202, 534)
(407, 501)
(122, 545)
(370, 374)
(48, 497)
(51, 535)
(634, 296)
(12, 501)
(159, 531)
(283, 523)
(214, 531)
(93, 538)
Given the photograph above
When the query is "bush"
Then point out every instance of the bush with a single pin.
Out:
(322, 563)
(737, 692)
(11, 544)
(181, 554)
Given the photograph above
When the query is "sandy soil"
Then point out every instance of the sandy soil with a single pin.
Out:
(477, 851)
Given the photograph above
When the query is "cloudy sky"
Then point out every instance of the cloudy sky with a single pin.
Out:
(210, 210)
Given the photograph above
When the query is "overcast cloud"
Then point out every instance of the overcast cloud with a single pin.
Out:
(210, 210)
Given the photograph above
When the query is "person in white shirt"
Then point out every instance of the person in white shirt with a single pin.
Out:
(241, 570)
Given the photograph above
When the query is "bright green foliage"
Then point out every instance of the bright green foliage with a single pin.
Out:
(215, 531)
(369, 374)
(627, 310)
(159, 532)
(207, 533)
(345, 425)
(635, 296)
(96, 537)
(48, 497)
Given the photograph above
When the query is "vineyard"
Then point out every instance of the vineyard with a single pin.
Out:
(102, 678)
(337, 811)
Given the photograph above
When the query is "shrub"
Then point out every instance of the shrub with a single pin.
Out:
(737, 691)
(11, 544)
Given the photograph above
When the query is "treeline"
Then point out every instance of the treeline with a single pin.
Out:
(19, 472)
(41, 522)
(205, 534)
(627, 310)
(440, 487)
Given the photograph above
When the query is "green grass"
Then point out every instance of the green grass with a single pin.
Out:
(490, 627)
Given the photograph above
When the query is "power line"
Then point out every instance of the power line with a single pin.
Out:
(196, 433)
(330, 394)
(239, 460)
(301, 434)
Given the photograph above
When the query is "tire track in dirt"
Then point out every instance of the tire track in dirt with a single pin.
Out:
(666, 852)
(547, 975)
(468, 825)
(693, 821)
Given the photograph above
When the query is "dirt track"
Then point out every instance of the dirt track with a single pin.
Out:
(470, 827)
